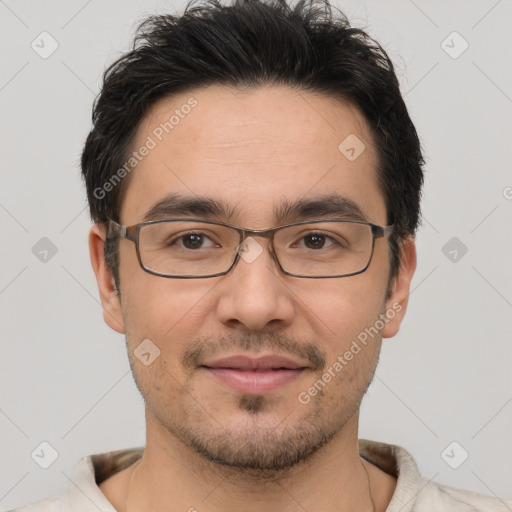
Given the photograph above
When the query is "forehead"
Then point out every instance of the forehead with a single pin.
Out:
(253, 149)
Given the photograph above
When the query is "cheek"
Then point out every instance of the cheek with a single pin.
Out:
(161, 317)
(167, 311)
(160, 383)
(346, 313)
(345, 305)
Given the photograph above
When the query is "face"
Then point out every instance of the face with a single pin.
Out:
(253, 151)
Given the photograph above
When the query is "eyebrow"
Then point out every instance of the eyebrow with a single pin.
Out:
(178, 205)
(327, 205)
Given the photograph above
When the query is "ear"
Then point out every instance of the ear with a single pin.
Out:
(112, 312)
(396, 304)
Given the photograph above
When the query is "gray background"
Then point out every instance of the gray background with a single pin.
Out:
(446, 377)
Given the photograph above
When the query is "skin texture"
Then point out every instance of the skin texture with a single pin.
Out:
(208, 446)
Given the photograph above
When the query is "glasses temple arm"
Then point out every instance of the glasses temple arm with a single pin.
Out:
(382, 231)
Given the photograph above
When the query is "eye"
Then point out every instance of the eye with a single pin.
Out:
(193, 241)
(317, 241)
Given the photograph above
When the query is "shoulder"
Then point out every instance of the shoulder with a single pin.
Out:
(443, 498)
(50, 504)
(416, 493)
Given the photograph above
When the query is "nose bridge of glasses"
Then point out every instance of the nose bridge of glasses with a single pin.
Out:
(267, 234)
(252, 245)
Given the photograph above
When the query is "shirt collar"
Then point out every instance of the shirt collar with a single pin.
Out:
(82, 493)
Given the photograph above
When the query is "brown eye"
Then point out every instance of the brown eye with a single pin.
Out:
(192, 241)
(314, 241)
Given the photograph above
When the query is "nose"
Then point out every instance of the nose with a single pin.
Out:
(254, 294)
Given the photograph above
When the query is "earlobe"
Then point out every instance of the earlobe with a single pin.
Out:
(396, 304)
(110, 301)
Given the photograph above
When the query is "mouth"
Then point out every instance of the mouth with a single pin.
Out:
(255, 376)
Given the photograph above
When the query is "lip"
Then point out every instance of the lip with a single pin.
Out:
(255, 376)
(263, 363)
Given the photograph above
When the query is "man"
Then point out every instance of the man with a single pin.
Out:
(254, 180)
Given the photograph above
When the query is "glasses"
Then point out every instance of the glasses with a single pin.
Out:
(197, 248)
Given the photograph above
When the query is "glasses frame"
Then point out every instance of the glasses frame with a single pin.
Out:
(132, 233)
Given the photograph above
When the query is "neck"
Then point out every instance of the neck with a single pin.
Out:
(171, 477)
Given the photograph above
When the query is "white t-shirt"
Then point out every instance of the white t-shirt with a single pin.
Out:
(413, 492)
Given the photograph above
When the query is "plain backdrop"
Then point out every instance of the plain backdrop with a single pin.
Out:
(65, 377)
